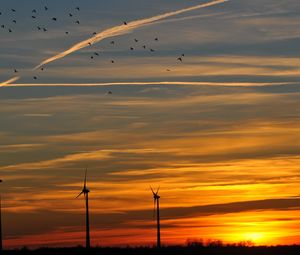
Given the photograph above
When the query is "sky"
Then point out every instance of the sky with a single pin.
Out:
(218, 131)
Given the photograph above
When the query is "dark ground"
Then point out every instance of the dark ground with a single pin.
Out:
(262, 250)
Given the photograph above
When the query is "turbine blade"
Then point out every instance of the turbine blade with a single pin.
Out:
(152, 190)
(85, 178)
(157, 190)
(80, 194)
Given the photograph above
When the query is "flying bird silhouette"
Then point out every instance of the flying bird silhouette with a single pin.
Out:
(77, 8)
(34, 17)
(70, 15)
(15, 70)
(179, 59)
(13, 10)
(125, 23)
(33, 11)
(77, 22)
(14, 21)
(46, 8)
(54, 19)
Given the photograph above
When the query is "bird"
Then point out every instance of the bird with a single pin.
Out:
(34, 77)
(33, 11)
(156, 198)
(46, 8)
(2, 26)
(94, 33)
(14, 21)
(77, 8)
(15, 70)
(45, 29)
(66, 32)
(112, 61)
(125, 23)
(77, 22)
(39, 28)
(109, 93)
(152, 50)
(92, 57)
(182, 55)
(144, 46)
(136, 40)
(70, 15)
(34, 17)
(42, 68)
(131, 48)
(179, 59)
(89, 44)
(9, 30)
(156, 39)
(54, 19)
(85, 192)
(13, 10)
(96, 53)
(112, 42)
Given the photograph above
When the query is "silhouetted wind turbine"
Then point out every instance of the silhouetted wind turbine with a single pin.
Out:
(85, 191)
(1, 247)
(156, 198)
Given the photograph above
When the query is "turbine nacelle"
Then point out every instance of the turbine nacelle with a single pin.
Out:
(85, 190)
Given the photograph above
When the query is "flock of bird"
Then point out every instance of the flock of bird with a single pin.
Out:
(35, 14)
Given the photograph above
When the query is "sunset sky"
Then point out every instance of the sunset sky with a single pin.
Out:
(218, 132)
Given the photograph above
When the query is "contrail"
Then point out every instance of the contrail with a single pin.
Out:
(9, 81)
(142, 83)
(124, 29)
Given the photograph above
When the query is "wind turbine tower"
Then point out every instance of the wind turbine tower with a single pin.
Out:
(156, 198)
(85, 191)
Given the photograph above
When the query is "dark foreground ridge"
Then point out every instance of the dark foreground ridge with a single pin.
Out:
(174, 250)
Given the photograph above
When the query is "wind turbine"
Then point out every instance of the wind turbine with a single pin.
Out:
(85, 191)
(156, 198)
(1, 247)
